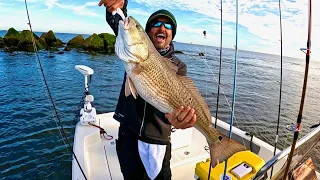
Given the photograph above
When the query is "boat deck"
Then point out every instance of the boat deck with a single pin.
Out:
(101, 157)
(98, 157)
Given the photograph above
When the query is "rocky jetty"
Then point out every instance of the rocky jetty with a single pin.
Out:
(94, 43)
(25, 42)
(76, 42)
(12, 38)
(2, 45)
(108, 41)
(100, 43)
(51, 42)
(22, 41)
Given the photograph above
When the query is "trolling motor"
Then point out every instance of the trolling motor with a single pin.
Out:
(87, 113)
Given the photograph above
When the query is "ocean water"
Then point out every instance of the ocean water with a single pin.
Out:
(31, 146)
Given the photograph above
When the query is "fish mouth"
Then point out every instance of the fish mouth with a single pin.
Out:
(126, 23)
(126, 26)
(124, 47)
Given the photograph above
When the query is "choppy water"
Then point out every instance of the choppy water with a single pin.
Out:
(31, 146)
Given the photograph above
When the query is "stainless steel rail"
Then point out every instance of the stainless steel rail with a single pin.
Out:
(283, 154)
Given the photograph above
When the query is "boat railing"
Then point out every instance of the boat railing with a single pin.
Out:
(283, 154)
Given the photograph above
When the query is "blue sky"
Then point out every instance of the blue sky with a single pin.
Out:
(258, 21)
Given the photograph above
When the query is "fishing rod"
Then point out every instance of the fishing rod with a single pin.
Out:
(48, 90)
(299, 119)
(219, 77)
(279, 109)
(234, 86)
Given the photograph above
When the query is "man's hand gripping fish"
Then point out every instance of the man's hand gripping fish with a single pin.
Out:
(154, 78)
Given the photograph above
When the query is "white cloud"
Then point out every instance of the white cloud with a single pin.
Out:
(40, 24)
(92, 4)
(44, 21)
(259, 17)
(80, 10)
(139, 12)
(29, 1)
(5, 4)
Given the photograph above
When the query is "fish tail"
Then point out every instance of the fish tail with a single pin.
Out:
(222, 150)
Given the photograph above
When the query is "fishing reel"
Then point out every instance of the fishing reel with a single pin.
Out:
(88, 112)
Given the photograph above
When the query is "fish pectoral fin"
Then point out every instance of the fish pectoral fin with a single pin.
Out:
(130, 88)
(137, 69)
(224, 149)
(127, 90)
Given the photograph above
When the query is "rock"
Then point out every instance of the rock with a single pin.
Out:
(36, 36)
(42, 41)
(2, 45)
(76, 42)
(201, 54)
(178, 52)
(50, 38)
(12, 38)
(58, 43)
(26, 44)
(67, 48)
(53, 49)
(51, 41)
(94, 43)
(108, 42)
(43, 35)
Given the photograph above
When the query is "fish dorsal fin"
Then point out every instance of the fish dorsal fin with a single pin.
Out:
(170, 64)
(130, 89)
(195, 93)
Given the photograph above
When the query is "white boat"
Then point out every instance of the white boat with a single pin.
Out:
(98, 158)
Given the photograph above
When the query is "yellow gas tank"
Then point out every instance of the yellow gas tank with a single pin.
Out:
(241, 166)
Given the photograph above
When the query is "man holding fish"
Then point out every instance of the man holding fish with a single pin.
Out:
(156, 94)
(140, 121)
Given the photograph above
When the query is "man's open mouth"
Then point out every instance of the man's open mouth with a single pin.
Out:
(160, 37)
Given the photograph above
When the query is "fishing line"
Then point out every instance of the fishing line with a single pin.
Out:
(205, 56)
(219, 77)
(224, 94)
(234, 87)
(299, 118)
(279, 109)
(48, 90)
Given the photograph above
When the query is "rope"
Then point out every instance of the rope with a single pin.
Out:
(102, 132)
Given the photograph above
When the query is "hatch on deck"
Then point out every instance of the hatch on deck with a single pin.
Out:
(242, 165)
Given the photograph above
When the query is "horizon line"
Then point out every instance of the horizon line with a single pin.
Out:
(172, 41)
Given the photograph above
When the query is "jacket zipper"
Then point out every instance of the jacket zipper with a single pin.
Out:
(144, 113)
